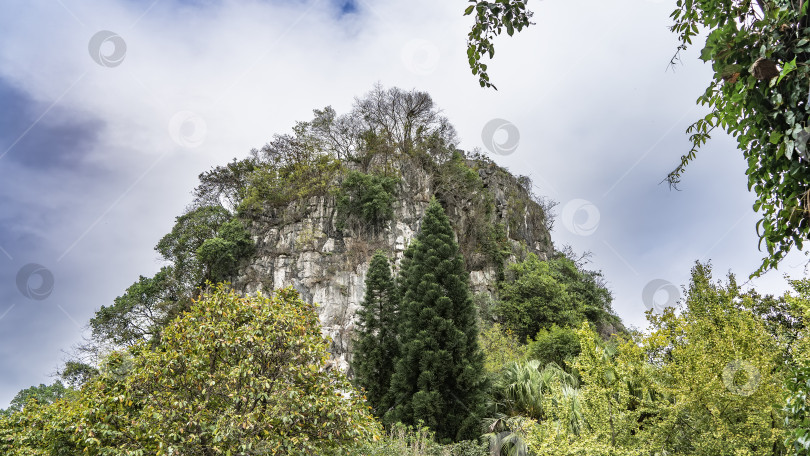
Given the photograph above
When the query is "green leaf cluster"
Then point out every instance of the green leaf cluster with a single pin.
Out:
(492, 19)
(366, 200)
(537, 295)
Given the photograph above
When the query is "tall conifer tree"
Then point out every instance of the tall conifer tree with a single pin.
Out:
(439, 377)
(376, 347)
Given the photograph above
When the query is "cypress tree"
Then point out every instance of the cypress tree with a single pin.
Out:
(376, 348)
(439, 378)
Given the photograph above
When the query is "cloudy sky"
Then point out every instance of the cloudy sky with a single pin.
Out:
(111, 110)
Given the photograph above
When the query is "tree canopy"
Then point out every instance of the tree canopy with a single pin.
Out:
(232, 375)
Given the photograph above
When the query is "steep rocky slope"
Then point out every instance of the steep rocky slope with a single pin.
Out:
(304, 245)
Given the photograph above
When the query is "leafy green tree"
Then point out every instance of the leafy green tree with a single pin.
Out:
(225, 184)
(206, 243)
(797, 408)
(558, 345)
(233, 375)
(376, 347)
(538, 294)
(704, 381)
(366, 199)
(721, 371)
(607, 396)
(76, 373)
(439, 378)
(500, 347)
(797, 382)
(532, 298)
(221, 254)
(180, 247)
(587, 289)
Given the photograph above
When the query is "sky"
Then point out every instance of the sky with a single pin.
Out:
(111, 109)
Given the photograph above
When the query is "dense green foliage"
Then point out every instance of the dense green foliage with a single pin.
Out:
(532, 298)
(76, 373)
(140, 313)
(557, 344)
(439, 378)
(797, 408)
(539, 294)
(366, 199)
(706, 381)
(796, 311)
(500, 347)
(231, 376)
(221, 254)
(376, 348)
(416, 441)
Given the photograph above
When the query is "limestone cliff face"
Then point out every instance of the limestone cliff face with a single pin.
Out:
(301, 245)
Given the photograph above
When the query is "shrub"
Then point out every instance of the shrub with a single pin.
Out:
(366, 199)
(559, 345)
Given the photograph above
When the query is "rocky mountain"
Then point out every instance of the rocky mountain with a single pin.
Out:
(305, 245)
(309, 209)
